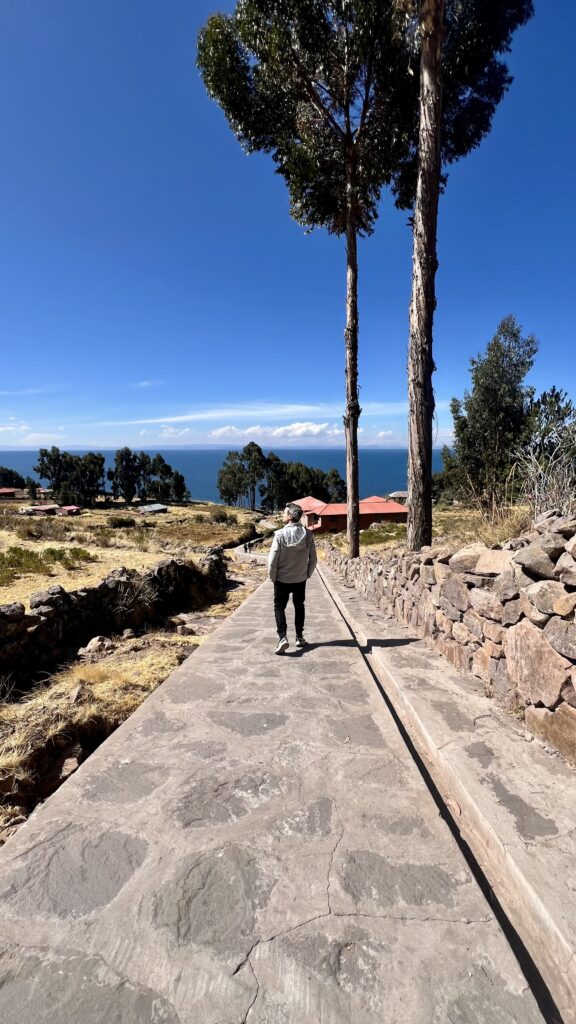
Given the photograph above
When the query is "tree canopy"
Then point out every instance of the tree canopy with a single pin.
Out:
(493, 417)
(10, 478)
(79, 479)
(74, 479)
(248, 473)
(328, 88)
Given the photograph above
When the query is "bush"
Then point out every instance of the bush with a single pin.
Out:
(199, 518)
(121, 522)
(218, 515)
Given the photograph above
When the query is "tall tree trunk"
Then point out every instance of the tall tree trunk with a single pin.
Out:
(352, 414)
(424, 266)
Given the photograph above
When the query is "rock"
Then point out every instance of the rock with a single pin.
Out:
(474, 580)
(185, 630)
(566, 526)
(515, 544)
(566, 569)
(535, 560)
(427, 574)
(128, 634)
(561, 635)
(466, 558)
(570, 546)
(474, 623)
(531, 611)
(493, 562)
(96, 644)
(12, 611)
(47, 611)
(494, 650)
(512, 613)
(544, 517)
(457, 654)
(443, 623)
(493, 631)
(537, 671)
(568, 692)
(39, 598)
(501, 686)
(456, 593)
(487, 604)
(551, 598)
(481, 664)
(462, 634)
(453, 613)
(552, 544)
(441, 572)
(522, 578)
(555, 727)
(505, 586)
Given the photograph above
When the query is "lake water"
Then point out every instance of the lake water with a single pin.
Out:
(381, 470)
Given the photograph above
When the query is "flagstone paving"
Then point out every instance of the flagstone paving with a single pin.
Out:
(254, 844)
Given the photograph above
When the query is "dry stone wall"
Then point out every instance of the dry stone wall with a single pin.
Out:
(60, 621)
(505, 614)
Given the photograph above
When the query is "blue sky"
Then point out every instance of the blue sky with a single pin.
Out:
(154, 290)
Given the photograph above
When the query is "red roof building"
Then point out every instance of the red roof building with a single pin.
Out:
(7, 492)
(332, 517)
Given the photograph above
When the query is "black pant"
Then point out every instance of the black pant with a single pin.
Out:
(282, 592)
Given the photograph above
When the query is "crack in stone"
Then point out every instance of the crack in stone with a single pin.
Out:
(444, 745)
(249, 1010)
(332, 855)
(408, 919)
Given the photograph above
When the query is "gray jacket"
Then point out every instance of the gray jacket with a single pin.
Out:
(292, 557)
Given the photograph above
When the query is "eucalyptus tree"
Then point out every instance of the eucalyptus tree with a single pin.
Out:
(316, 84)
(329, 89)
(462, 80)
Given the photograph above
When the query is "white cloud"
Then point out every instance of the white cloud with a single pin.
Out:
(170, 432)
(385, 433)
(27, 391)
(12, 427)
(289, 431)
(146, 384)
(142, 432)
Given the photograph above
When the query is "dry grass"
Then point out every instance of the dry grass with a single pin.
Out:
(84, 703)
(469, 525)
(463, 525)
(172, 534)
(81, 701)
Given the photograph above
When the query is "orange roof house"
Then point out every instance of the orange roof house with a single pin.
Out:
(332, 517)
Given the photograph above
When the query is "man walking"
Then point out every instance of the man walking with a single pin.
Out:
(291, 562)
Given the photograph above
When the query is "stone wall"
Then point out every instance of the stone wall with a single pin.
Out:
(505, 614)
(59, 622)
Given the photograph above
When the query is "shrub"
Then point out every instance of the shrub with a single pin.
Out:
(220, 515)
(121, 522)
(20, 560)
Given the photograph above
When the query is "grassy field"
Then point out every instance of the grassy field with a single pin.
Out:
(44, 735)
(79, 551)
(457, 524)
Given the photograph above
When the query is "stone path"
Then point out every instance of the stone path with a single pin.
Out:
(253, 845)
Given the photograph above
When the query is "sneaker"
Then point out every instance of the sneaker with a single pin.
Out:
(301, 641)
(282, 645)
